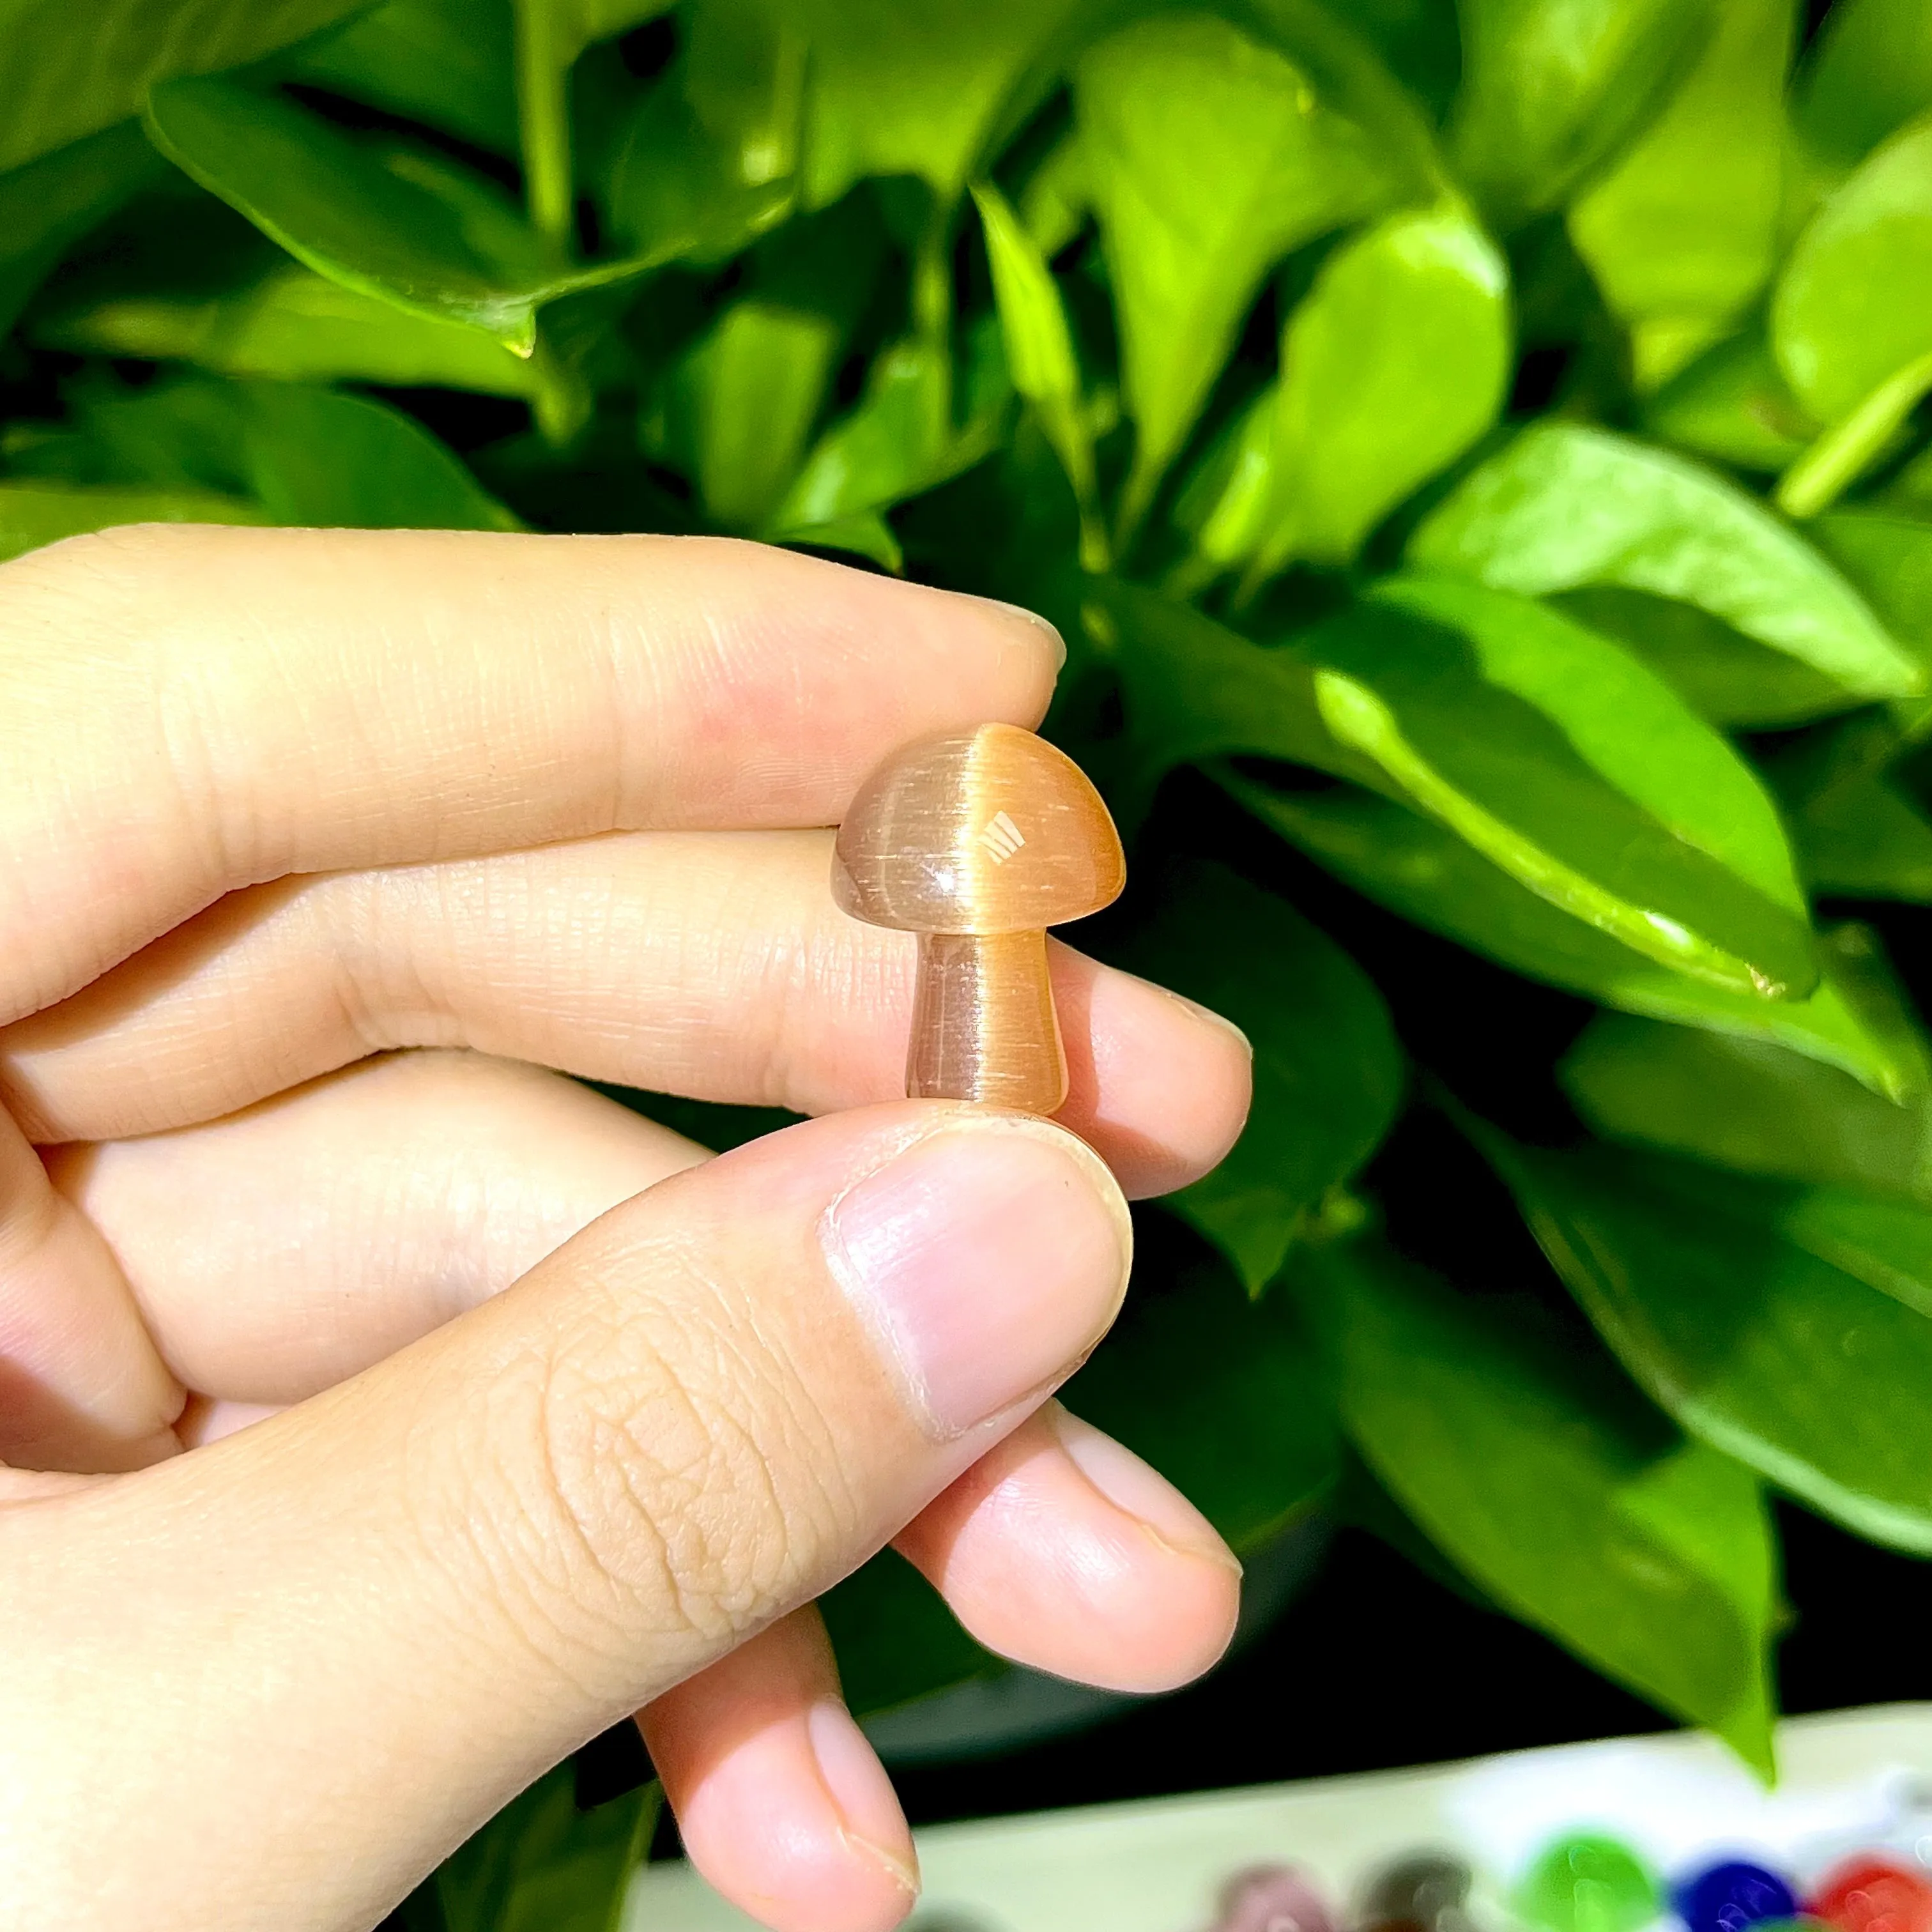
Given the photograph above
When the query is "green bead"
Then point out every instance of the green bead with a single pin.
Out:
(1588, 1884)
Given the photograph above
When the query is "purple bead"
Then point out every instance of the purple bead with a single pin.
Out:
(1272, 1898)
(1730, 1897)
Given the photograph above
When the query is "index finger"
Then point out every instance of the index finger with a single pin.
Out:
(186, 709)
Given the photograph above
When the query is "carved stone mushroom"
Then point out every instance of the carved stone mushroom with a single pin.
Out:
(978, 841)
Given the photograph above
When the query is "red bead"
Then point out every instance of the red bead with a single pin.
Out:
(1869, 1895)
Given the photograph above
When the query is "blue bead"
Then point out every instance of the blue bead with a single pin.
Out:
(1730, 1897)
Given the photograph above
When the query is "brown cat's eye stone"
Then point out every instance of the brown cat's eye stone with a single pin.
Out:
(978, 841)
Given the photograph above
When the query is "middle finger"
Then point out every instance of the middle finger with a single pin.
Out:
(369, 1208)
(714, 964)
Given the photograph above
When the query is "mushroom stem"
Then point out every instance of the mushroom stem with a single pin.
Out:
(983, 1025)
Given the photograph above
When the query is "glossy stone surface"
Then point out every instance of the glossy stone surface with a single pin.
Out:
(1727, 1898)
(1425, 1892)
(1272, 1898)
(978, 841)
(1587, 1883)
(993, 830)
(1874, 1894)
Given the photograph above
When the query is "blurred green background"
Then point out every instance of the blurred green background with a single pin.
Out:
(1478, 456)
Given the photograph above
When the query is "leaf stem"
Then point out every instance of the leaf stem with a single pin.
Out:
(932, 280)
(1839, 456)
(543, 121)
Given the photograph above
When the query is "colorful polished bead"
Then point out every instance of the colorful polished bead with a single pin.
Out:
(1587, 1883)
(1425, 1891)
(1728, 1898)
(1873, 1894)
(1272, 1898)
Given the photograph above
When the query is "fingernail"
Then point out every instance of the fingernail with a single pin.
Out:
(1142, 1492)
(987, 1258)
(861, 1792)
(1208, 1013)
(1038, 622)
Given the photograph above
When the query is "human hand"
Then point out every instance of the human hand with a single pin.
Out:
(315, 849)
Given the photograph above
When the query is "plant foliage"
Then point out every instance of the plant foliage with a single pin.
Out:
(1477, 458)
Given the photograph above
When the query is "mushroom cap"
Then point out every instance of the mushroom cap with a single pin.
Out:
(993, 830)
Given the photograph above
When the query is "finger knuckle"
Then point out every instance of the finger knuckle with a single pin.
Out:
(686, 1484)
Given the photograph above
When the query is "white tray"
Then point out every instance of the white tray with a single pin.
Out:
(1850, 1780)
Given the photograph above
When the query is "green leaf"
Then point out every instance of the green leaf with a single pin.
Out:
(897, 441)
(1554, 753)
(1058, 197)
(1551, 88)
(1040, 357)
(1328, 1071)
(307, 456)
(448, 63)
(1845, 451)
(1910, 489)
(1728, 678)
(1887, 560)
(1868, 73)
(677, 194)
(1562, 759)
(321, 459)
(1396, 363)
(1563, 506)
(387, 221)
(571, 25)
(887, 448)
(1210, 157)
(1225, 505)
(1225, 1395)
(1194, 690)
(1557, 1491)
(865, 533)
(1424, 873)
(1790, 1327)
(62, 77)
(919, 90)
(743, 403)
(1856, 831)
(542, 1865)
(1682, 232)
(1362, 1502)
(1853, 306)
(1418, 41)
(894, 1639)
(709, 159)
(1733, 404)
(34, 514)
(1751, 1106)
(50, 203)
(1864, 839)
(1343, 54)
(292, 324)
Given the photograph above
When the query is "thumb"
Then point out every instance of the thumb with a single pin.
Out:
(354, 1630)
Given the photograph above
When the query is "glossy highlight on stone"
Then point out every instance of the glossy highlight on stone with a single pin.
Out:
(1271, 1898)
(1587, 1883)
(1730, 1896)
(1424, 1892)
(978, 841)
(1873, 1894)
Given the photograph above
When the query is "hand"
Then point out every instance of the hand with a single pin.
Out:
(315, 849)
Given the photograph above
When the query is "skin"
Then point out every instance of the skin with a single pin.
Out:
(383, 1413)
